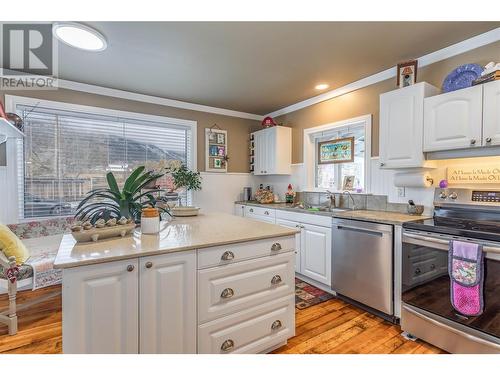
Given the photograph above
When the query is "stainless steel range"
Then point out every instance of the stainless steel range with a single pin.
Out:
(464, 215)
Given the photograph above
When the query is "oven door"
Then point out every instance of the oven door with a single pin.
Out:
(426, 284)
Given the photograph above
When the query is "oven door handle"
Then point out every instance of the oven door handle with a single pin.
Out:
(441, 244)
(453, 330)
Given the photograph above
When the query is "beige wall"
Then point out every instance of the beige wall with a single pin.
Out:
(237, 129)
(366, 100)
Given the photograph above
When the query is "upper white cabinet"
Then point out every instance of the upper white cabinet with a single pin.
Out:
(401, 126)
(491, 113)
(453, 120)
(167, 287)
(273, 151)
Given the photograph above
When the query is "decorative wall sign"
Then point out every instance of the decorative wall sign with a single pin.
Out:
(216, 149)
(469, 174)
(340, 150)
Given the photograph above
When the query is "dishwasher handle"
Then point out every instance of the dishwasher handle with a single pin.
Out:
(360, 230)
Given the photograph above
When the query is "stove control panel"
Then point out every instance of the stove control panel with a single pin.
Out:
(486, 196)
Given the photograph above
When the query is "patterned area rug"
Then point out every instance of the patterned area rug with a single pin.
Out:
(307, 295)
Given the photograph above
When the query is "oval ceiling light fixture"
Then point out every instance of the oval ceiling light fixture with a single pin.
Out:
(79, 36)
(321, 86)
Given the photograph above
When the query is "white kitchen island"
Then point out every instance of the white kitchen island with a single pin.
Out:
(214, 283)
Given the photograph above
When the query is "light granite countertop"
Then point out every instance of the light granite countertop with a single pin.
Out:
(384, 217)
(180, 234)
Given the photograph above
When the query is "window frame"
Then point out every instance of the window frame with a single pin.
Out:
(12, 101)
(310, 152)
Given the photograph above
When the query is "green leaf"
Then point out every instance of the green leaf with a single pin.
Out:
(113, 186)
(132, 178)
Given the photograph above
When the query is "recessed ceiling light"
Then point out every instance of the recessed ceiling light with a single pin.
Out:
(321, 86)
(79, 36)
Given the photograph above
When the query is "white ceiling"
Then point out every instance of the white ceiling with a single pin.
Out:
(251, 67)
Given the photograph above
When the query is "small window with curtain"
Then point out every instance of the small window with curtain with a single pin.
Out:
(68, 153)
(347, 160)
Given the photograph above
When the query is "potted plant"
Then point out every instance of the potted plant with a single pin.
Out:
(113, 202)
(187, 180)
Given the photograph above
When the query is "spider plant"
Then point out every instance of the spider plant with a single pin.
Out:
(111, 202)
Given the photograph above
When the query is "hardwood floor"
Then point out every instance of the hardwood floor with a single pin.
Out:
(330, 327)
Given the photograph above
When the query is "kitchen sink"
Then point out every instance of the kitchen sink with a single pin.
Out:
(323, 209)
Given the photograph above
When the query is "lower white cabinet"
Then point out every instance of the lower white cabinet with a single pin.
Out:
(293, 225)
(316, 253)
(239, 210)
(101, 308)
(168, 303)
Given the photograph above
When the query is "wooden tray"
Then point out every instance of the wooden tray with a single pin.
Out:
(96, 234)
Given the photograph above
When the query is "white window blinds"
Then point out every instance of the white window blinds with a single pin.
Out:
(67, 153)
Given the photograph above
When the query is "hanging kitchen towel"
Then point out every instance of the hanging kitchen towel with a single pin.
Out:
(466, 270)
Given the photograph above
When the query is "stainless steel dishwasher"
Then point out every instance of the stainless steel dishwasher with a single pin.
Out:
(362, 263)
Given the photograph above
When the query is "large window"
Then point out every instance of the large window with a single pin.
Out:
(69, 152)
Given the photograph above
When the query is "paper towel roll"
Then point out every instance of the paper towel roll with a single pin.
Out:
(417, 179)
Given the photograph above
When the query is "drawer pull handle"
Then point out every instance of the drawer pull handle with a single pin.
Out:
(227, 293)
(276, 325)
(266, 212)
(227, 345)
(130, 268)
(276, 280)
(149, 264)
(417, 271)
(433, 266)
(228, 255)
(276, 246)
(251, 210)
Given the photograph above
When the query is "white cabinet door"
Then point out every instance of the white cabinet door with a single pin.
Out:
(293, 225)
(101, 306)
(316, 253)
(260, 158)
(402, 125)
(273, 151)
(168, 303)
(453, 120)
(239, 210)
(491, 113)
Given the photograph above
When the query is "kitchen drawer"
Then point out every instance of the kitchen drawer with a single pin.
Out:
(250, 331)
(260, 211)
(222, 255)
(245, 284)
(305, 218)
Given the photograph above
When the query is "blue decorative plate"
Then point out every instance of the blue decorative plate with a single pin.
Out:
(462, 77)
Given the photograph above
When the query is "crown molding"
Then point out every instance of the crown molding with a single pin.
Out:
(128, 95)
(477, 41)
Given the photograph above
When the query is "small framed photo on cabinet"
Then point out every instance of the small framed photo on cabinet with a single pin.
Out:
(407, 73)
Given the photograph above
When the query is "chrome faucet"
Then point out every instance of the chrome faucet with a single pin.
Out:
(331, 197)
(352, 199)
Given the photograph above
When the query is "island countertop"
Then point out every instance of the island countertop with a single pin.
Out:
(180, 234)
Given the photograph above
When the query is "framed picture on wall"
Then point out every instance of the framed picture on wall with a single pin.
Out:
(340, 150)
(216, 157)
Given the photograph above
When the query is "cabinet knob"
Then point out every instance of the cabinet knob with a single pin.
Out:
(149, 264)
(488, 140)
(276, 325)
(227, 293)
(382, 164)
(472, 141)
(276, 246)
(276, 280)
(228, 255)
(227, 345)
(433, 266)
(417, 271)
(251, 210)
(130, 268)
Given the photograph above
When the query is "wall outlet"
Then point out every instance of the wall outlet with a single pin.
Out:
(401, 192)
